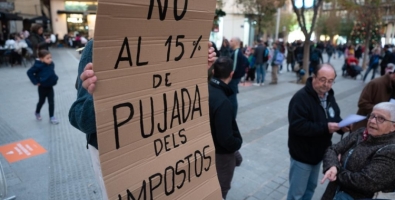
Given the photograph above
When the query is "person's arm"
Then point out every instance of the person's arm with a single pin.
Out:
(82, 113)
(223, 118)
(331, 157)
(365, 102)
(31, 73)
(377, 175)
(300, 123)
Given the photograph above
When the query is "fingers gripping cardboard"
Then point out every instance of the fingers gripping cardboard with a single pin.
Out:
(151, 99)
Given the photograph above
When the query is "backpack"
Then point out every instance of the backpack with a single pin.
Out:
(278, 60)
(266, 55)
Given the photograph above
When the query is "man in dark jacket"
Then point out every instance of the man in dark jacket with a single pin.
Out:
(388, 58)
(313, 116)
(378, 90)
(261, 54)
(226, 135)
(240, 64)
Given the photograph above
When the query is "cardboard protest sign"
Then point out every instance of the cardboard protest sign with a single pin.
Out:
(151, 99)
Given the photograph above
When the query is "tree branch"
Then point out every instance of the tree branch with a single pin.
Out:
(315, 13)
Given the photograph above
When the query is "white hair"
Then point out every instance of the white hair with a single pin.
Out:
(386, 106)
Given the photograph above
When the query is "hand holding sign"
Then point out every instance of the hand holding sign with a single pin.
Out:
(89, 78)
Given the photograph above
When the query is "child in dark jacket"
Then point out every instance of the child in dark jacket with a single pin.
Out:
(42, 74)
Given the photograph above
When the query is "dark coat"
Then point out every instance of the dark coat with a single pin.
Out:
(376, 91)
(241, 65)
(42, 73)
(38, 43)
(259, 54)
(226, 134)
(225, 51)
(290, 54)
(308, 134)
(370, 167)
(389, 57)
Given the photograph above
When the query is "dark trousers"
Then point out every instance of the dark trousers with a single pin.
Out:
(371, 67)
(382, 71)
(225, 164)
(15, 58)
(313, 65)
(46, 92)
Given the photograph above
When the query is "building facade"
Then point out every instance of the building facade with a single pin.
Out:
(72, 17)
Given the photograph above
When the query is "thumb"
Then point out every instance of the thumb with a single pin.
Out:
(210, 45)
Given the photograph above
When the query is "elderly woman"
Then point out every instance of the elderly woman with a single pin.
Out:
(364, 162)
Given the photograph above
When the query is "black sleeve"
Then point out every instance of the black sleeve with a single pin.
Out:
(332, 153)
(224, 130)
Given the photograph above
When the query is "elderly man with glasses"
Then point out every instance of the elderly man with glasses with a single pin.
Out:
(378, 90)
(313, 116)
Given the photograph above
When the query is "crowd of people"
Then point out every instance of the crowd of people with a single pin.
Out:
(359, 166)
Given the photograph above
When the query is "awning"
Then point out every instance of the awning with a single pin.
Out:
(9, 16)
(39, 20)
(74, 12)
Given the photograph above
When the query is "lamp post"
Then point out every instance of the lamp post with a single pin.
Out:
(277, 23)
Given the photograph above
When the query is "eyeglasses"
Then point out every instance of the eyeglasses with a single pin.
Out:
(324, 80)
(379, 119)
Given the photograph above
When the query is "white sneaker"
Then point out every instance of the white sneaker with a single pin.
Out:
(53, 120)
(256, 84)
(262, 84)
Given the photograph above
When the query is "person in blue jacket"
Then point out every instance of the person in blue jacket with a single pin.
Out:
(42, 74)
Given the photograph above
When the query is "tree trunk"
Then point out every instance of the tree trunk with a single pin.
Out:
(331, 39)
(366, 52)
(306, 58)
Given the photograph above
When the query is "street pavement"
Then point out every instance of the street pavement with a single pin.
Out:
(65, 172)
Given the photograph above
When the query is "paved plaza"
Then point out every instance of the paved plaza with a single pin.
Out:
(64, 172)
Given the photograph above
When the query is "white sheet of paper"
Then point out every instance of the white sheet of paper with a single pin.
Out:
(392, 100)
(351, 119)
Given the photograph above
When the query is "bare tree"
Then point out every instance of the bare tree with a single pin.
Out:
(301, 16)
(369, 13)
(262, 12)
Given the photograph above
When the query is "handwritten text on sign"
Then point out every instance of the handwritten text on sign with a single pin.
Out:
(173, 106)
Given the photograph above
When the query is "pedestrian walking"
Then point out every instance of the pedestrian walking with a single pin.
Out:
(225, 50)
(37, 40)
(42, 74)
(240, 64)
(277, 60)
(290, 57)
(329, 50)
(373, 63)
(261, 57)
